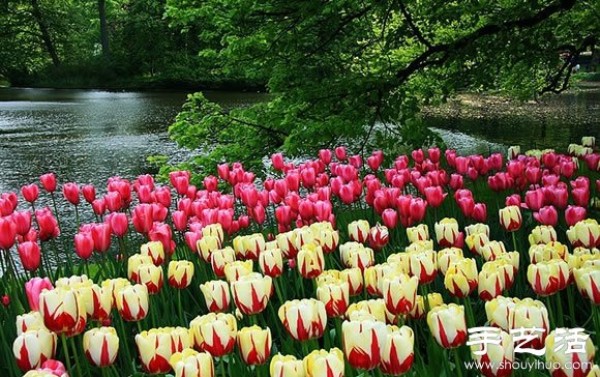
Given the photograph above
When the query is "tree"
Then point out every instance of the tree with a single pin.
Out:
(357, 72)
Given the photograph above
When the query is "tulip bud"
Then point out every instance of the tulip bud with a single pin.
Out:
(303, 319)
(190, 363)
(546, 252)
(237, 269)
(322, 363)
(447, 325)
(132, 302)
(447, 234)
(101, 346)
(585, 233)
(251, 293)
(378, 237)
(249, 247)
(33, 347)
(448, 256)
(151, 276)
(180, 273)
(417, 233)
(48, 182)
(354, 278)
(547, 278)
(397, 353)
(335, 296)
(133, 264)
(358, 230)
(362, 341)
(30, 255)
(542, 234)
(587, 279)
(528, 313)
(156, 346)
(286, 366)
(254, 344)
(206, 245)
(214, 333)
(271, 262)
(510, 218)
(420, 308)
(492, 250)
(355, 254)
(154, 250)
(29, 321)
(495, 359)
(494, 278)
(423, 265)
(461, 278)
(63, 311)
(216, 295)
(220, 258)
(569, 352)
(400, 293)
(30, 192)
(311, 261)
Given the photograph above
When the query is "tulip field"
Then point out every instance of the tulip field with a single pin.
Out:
(428, 264)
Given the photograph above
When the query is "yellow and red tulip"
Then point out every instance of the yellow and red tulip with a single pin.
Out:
(569, 352)
(214, 333)
(303, 319)
(397, 353)
(33, 347)
(29, 321)
(358, 230)
(323, 363)
(400, 293)
(511, 218)
(420, 309)
(249, 246)
(271, 262)
(101, 346)
(547, 278)
(132, 302)
(63, 310)
(447, 325)
(254, 344)
(155, 250)
(236, 269)
(151, 276)
(311, 260)
(206, 246)
(286, 366)
(190, 363)
(354, 278)
(221, 258)
(336, 297)
(461, 278)
(530, 314)
(216, 295)
(180, 273)
(495, 359)
(417, 233)
(585, 233)
(363, 341)
(251, 293)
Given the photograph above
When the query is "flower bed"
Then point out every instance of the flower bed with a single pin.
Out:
(439, 264)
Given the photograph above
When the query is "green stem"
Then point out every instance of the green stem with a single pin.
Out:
(550, 312)
(278, 290)
(222, 366)
(469, 312)
(77, 365)
(180, 308)
(63, 339)
(596, 314)
(305, 350)
(558, 302)
(571, 305)
(458, 363)
(55, 210)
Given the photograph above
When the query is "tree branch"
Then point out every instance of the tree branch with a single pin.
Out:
(409, 20)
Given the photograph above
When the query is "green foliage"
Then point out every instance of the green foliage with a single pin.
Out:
(357, 73)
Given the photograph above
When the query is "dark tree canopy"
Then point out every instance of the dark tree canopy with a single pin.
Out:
(357, 72)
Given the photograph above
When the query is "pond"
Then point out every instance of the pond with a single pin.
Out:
(88, 135)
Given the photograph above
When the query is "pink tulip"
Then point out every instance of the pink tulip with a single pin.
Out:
(89, 193)
(191, 240)
(340, 153)
(479, 213)
(30, 255)
(546, 216)
(325, 156)
(162, 195)
(101, 236)
(33, 288)
(30, 192)
(435, 196)
(142, 218)
(113, 201)
(417, 155)
(223, 171)
(277, 161)
(179, 220)
(574, 214)
(84, 245)
(180, 180)
(119, 223)
(308, 177)
(581, 196)
(54, 367)
(355, 161)
(466, 205)
(8, 203)
(48, 182)
(534, 199)
(71, 193)
(434, 154)
(162, 232)
(211, 183)
(513, 200)
(22, 221)
(99, 207)
(48, 226)
(456, 181)
(390, 218)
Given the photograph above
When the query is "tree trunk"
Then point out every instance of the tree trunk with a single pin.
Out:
(46, 38)
(103, 29)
